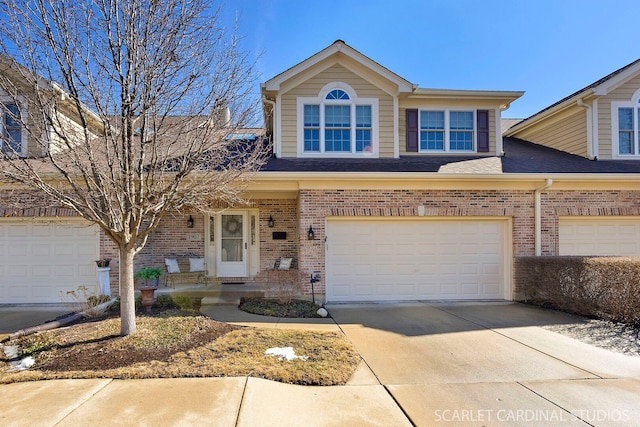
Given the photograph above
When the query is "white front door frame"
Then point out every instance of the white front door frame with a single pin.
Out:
(232, 246)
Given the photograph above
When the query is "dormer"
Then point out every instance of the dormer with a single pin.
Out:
(339, 103)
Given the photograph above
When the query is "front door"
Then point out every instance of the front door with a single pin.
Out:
(232, 246)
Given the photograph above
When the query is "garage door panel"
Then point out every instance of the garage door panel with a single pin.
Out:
(41, 271)
(64, 249)
(492, 270)
(17, 231)
(363, 269)
(18, 250)
(17, 271)
(41, 230)
(40, 250)
(471, 290)
(415, 259)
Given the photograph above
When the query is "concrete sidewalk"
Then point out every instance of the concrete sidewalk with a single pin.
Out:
(195, 402)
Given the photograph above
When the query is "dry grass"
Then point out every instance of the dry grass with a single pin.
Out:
(182, 345)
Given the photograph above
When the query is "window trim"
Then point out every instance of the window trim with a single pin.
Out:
(634, 105)
(447, 129)
(20, 102)
(353, 101)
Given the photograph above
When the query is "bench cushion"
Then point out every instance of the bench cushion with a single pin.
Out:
(196, 264)
(172, 265)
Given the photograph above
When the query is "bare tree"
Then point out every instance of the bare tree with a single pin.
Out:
(124, 105)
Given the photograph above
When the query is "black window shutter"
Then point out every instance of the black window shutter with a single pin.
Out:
(412, 130)
(482, 116)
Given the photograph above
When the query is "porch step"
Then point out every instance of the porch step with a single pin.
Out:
(231, 294)
(220, 294)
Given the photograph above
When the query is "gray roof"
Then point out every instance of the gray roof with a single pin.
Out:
(520, 157)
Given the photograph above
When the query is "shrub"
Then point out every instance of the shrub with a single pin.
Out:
(284, 285)
(186, 302)
(85, 300)
(606, 287)
(165, 301)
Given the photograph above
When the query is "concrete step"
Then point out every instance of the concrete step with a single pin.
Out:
(219, 293)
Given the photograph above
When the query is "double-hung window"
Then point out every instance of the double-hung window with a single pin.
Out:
(364, 128)
(447, 130)
(312, 128)
(337, 123)
(628, 130)
(337, 128)
(11, 128)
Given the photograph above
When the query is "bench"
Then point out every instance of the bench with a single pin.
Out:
(185, 269)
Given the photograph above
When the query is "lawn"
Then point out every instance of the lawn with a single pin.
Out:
(176, 343)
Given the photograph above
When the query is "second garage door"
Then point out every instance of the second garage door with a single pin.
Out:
(614, 236)
(43, 259)
(416, 259)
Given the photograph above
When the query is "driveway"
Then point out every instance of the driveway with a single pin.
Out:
(490, 364)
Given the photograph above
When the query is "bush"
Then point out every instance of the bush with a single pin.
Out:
(165, 301)
(605, 287)
(284, 285)
(85, 300)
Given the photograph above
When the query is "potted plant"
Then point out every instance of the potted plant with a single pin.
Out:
(146, 273)
(103, 263)
(149, 273)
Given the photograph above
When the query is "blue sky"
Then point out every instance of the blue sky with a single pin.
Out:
(547, 48)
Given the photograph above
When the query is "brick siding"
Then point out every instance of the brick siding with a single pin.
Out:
(312, 207)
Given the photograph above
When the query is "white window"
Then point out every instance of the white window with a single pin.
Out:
(337, 123)
(625, 117)
(447, 130)
(12, 128)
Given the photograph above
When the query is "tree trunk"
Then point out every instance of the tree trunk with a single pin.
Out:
(127, 295)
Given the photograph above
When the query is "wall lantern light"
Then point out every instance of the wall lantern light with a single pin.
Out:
(310, 234)
(271, 222)
(190, 222)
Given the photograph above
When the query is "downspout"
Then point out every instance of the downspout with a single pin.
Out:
(538, 216)
(590, 147)
(273, 120)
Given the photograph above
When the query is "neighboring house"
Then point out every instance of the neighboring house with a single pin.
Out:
(390, 192)
(45, 249)
(599, 122)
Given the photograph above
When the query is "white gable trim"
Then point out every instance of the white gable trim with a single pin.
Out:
(607, 86)
(338, 46)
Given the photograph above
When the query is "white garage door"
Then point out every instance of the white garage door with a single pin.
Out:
(41, 259)
(416, 259)
(599, 236)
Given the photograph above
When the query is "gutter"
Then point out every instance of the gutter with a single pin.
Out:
(590, 130)
(273, 120)
(538, 216)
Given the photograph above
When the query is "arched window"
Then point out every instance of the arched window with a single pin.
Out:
(337, 122)
(337, 94)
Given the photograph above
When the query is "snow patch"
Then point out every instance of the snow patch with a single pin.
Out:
(284, 353)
